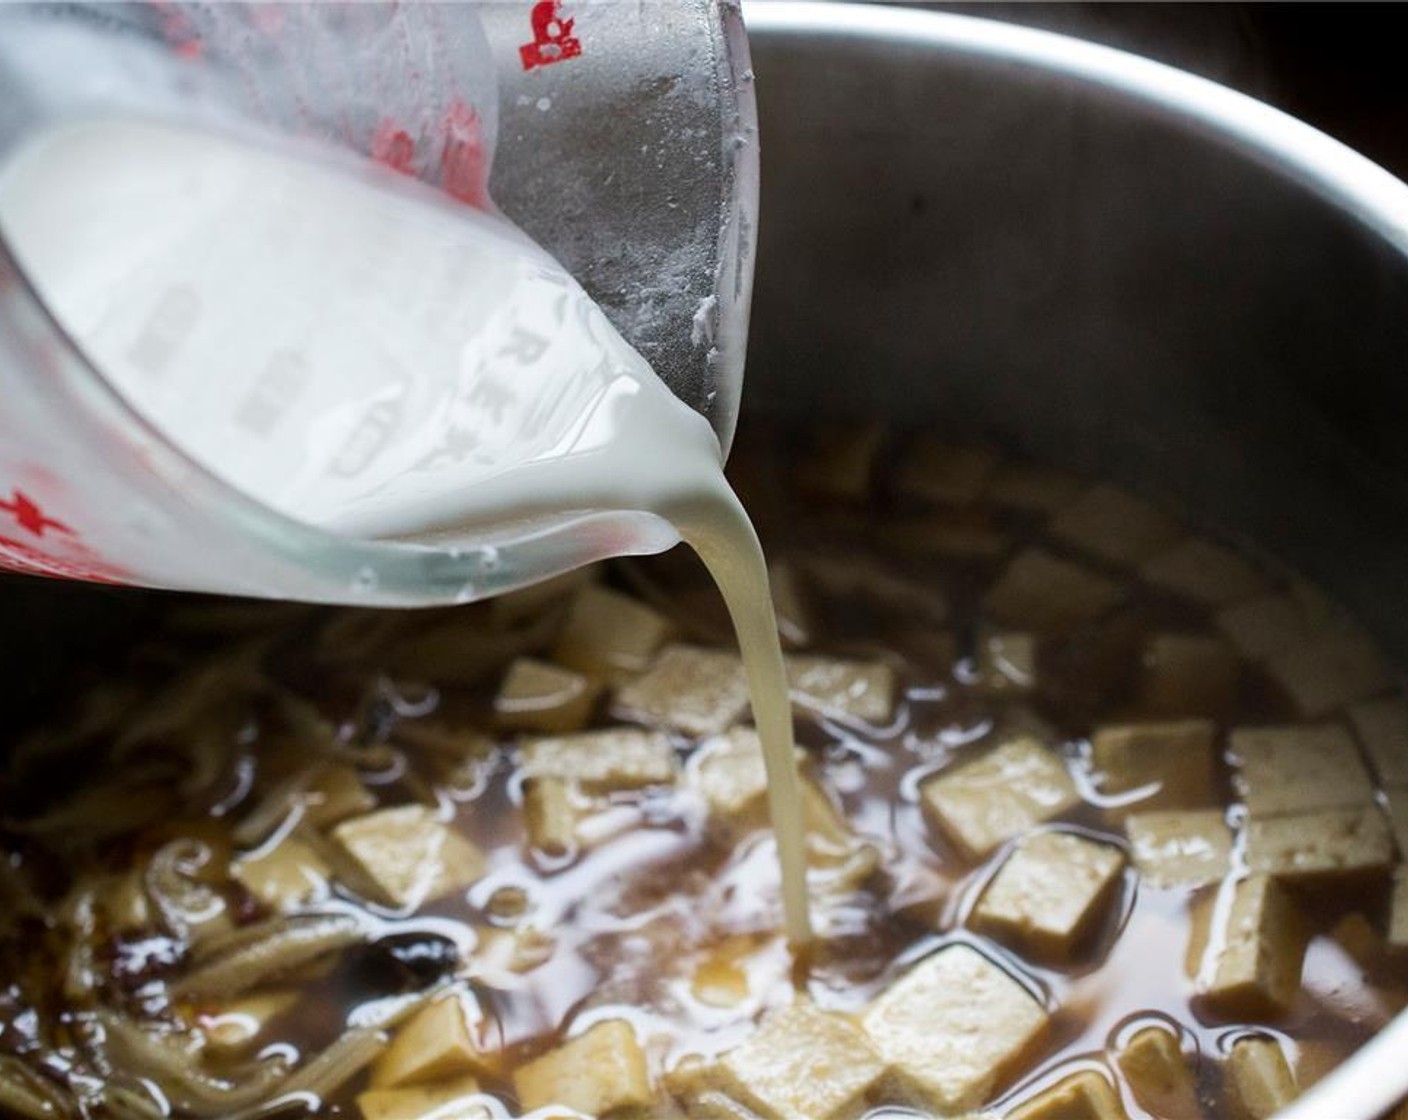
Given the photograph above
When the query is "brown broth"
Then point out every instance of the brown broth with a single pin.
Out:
(654, 892)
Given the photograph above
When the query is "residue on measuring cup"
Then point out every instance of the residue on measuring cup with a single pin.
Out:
(366, 581)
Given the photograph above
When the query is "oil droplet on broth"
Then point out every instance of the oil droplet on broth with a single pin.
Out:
(418, 369)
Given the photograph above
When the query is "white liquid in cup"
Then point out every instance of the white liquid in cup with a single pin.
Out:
(375, 363)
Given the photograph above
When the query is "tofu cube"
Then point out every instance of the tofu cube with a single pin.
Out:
(1382, 727)
(1086, 1095)
(841, 463)
(609, 635)
(1173, 761)
(861, 691)
(1031, 489)
(790, 602)
(595, 1072)
(1204, 572)
(549, 816)
(1006, 792)
(1257, 963)
(729, 771)
(537, 696)
(1259, 1082)
(1296, 769)
(1319, 846)
(621, 758)
(941, 472)
(1043, 592)
(435, 1044)
(1187, 675)
(802, 1064)
(404, 856)
(285, 878)
(1265, 626)
(1397, 798)
(335, 794)
(1050, 894)
(695, 691)
(441, 1100)
(1332, 669)
(1005, 662)
(233, 1028)
(1112, 525)
(879, 586)
(1159, 1073)
(1398, 909)
(1180, 849)
(953, 1028)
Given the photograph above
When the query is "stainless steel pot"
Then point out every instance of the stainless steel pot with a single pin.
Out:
(1105, 263)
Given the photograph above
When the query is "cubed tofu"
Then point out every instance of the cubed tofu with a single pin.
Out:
(1382, 726)
(609, 635)
(333, 795)
(1005, 662)
(287, 877)
(435, 1044)
(442, 1100)
(729, 771)
(696, 691)
(1086, 1095)
(878, 585)
(1006, 792)
(952, 1028)
(1204, 572)
(1322, 845)
(549, 816)
(1398, 909)
(1265, 626)
(1173, 762)
(841, 462)
(405, 857)
(941, 472)
(1031, 488)
(233, 1028)
(1258, 1079)
(803, 1063)
(1160, 1074)
(1187, 675)
(1257, 961)
(537, 696)
(1332, 669)
(1043, 592)
(1050, 894)
(1397, 798)
(850, 690)
(1112, 525)
(596, 1072)
(1295, 769)
(953, 536)
(1180, 849)
(621, 758)
(516, 607)
(791, 604)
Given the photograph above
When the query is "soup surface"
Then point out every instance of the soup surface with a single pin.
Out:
(1103, 821)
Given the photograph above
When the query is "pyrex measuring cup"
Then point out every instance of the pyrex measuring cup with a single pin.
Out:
(617, 135)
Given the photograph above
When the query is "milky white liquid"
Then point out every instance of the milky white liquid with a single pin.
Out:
(376, 363)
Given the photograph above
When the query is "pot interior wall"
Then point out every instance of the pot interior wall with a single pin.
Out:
(1010, 255)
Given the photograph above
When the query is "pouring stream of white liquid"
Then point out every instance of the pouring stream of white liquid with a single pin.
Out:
(377, 363)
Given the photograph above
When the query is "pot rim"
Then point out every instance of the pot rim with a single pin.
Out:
(1374, 1078)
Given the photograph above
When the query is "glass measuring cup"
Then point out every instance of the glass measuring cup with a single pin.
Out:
(500, 99)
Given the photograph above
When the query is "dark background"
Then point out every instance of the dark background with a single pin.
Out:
(1342, 67)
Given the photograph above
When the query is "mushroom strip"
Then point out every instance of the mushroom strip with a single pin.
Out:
(26, 1094)
(324, 1075)
(291, 943)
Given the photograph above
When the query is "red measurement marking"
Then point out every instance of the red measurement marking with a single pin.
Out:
(464, 162)
(552, 37)
(394, 147)
(178, 30)
(23, 557)
(30, 517)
